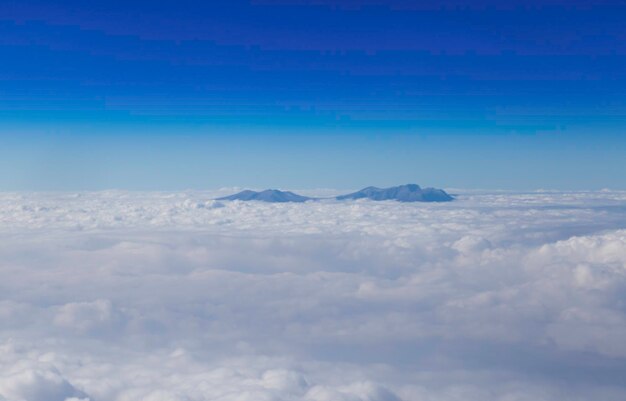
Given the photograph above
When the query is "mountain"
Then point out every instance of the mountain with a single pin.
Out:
(269, 195)
(402, 193)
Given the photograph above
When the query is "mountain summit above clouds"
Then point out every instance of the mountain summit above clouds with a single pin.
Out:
(269, 195)
(402, 193)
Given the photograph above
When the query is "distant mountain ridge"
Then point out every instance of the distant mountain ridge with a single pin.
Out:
(401, 193)
(269, 195)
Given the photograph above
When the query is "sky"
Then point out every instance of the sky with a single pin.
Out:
(312, 94)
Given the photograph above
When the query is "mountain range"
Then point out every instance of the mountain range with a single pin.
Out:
(269, 195)
(401, 193)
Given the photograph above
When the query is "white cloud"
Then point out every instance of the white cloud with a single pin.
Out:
(118, 296)
(93, 318)
(37, 385)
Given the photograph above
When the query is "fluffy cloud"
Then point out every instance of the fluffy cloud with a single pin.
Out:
(93, 318)
(118, 296)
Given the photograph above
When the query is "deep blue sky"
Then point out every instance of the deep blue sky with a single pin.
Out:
(200, 94)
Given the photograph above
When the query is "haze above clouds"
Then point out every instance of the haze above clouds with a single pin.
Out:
(125, 296)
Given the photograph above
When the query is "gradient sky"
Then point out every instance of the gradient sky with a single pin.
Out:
(295, 94)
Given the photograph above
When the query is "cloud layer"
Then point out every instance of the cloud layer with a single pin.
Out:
(117, 296)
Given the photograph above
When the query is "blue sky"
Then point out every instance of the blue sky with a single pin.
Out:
(192, 94)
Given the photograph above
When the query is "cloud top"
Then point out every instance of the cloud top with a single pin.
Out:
(119, 296)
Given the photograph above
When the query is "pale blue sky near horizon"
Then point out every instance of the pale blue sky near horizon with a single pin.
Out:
(231, 157)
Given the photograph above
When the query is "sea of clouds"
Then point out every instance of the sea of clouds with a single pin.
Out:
(123, 296)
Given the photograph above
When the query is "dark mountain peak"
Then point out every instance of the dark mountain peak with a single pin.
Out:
(402, 193)
(268, 195)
